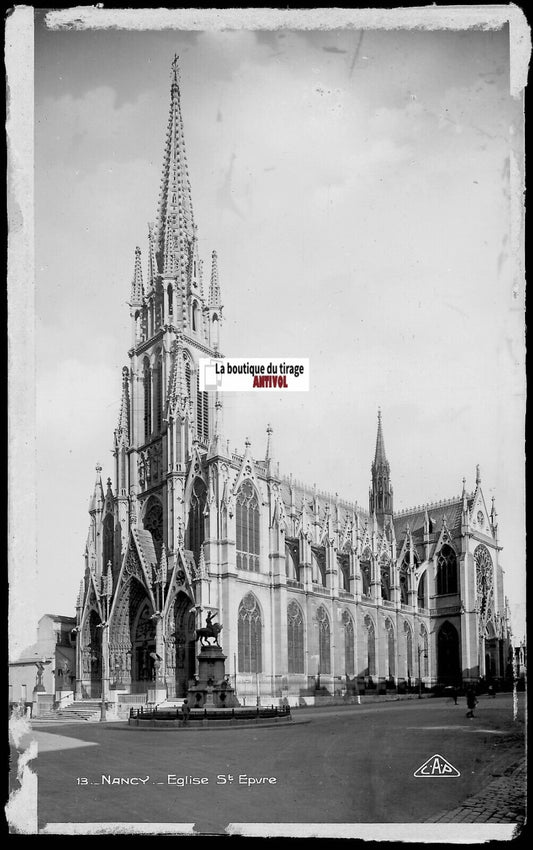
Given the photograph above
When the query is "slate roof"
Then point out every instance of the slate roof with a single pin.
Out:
(145, 544)
(415, 517)
(304, 492)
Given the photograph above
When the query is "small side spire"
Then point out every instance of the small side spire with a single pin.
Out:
(97, 499)
(269, 454)
(494, 518)
(152, 259)
(216, 445)
(478, 475)
(137, 288)
(214, 286)
(81, 594)
(122, 432)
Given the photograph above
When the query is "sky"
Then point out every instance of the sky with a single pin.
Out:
(356, 187)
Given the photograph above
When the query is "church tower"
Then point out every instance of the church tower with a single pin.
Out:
(381, 492)
(174, 323)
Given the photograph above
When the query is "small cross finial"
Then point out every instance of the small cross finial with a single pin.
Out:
(98, 467)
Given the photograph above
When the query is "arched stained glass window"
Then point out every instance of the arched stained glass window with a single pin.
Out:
(153, 522)
(295, 638)
(324, 662)
(249, 635)
(247, 527)
(196, 527)
(446, 571)
(349, 647)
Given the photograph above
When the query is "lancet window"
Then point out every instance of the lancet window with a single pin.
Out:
(295, 638)
(247, 527)
(249, 635)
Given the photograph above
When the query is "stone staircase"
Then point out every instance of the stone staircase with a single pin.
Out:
(83, 709)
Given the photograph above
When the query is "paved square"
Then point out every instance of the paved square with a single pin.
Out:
(345, 764)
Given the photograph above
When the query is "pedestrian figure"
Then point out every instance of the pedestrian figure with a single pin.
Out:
(454, 694)
(471, 701)
(491, 691)
(185, 711)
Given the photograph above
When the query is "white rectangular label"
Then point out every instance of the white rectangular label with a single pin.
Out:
(256, 374)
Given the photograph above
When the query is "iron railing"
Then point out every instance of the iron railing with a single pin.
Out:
(205, 714)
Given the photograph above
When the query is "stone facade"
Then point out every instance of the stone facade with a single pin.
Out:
(47, 667)
(316, 595)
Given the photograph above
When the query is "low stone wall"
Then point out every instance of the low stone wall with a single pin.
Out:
(199, 724)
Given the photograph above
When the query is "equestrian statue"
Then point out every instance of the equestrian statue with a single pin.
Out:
(212, 630)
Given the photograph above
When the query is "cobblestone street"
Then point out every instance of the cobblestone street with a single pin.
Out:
(503, 800)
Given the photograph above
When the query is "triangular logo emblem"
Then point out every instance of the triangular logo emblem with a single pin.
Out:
(436, 766)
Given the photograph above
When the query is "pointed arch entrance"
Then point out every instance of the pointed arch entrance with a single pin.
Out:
(92, 656)
(184, 637)
(132, 634)
(142, 645)
(448, 660)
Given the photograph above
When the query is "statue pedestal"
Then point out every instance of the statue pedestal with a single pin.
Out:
(212, 690)
(157, 692)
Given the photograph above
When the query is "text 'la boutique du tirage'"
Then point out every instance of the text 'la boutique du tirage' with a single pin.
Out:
(252, 373)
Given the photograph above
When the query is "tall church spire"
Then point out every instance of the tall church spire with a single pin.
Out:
(175, 222)
(380, 458)
(381, 491)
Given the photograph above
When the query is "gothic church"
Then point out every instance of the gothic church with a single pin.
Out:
(315, 595)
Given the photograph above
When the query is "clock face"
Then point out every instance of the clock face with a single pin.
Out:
(480, 518)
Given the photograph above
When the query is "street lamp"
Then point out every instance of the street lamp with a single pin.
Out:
(104, 671)
(105, 608)
(421, 651)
